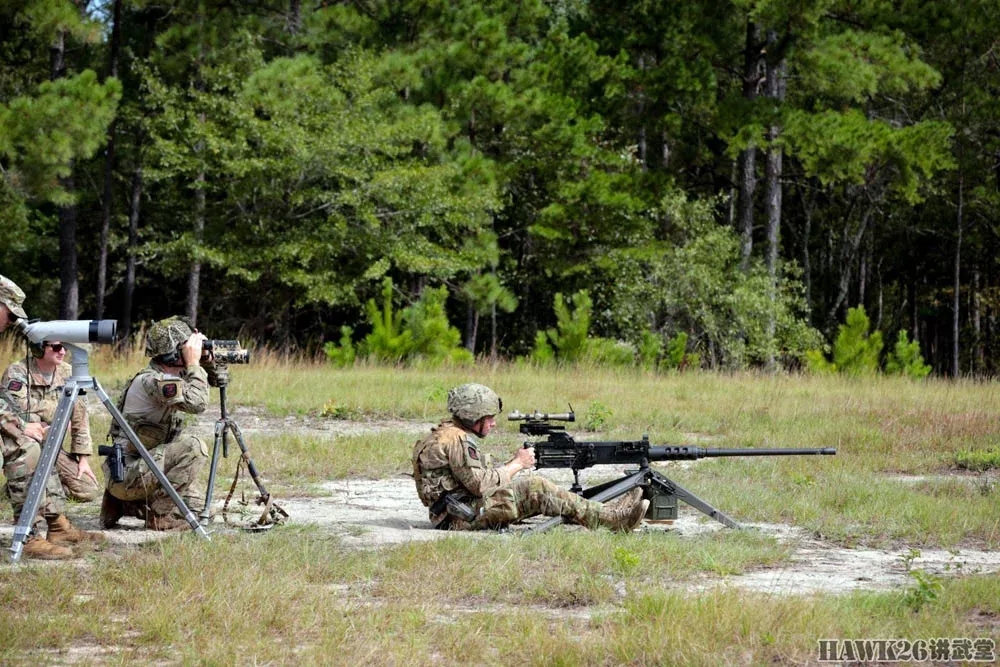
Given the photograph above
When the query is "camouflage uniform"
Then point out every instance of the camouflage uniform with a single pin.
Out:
(151, 404)
(41, 396)
(12, 297)
(449, 460)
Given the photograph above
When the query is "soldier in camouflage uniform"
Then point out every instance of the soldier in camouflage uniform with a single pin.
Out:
(174, 382)
(449, 462)
(22, 436)
(33, 387)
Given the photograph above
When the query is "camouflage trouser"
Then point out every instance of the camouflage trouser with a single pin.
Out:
(528, 496)
(82, 488)
(180, 460)
(20, 460)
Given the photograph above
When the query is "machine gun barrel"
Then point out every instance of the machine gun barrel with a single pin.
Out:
(562, 451)
(668, 453)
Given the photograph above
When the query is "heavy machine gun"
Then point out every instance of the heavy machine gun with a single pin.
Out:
(559, 449)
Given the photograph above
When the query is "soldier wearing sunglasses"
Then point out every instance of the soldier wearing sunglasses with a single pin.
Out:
(32, 388)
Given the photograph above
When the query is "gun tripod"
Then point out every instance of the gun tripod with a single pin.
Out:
(656, 485)
(76, 385)
(273, 513)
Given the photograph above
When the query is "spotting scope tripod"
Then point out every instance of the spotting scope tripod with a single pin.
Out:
(69, 332)
(273, 513)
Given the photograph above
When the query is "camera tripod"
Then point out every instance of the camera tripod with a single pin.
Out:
(78, 384)
(273, 513)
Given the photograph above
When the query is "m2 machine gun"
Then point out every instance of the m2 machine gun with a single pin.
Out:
(560, 450)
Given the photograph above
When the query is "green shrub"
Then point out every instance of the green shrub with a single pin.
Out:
(855, 350)
(905, 358)
(978, 459)
(388, 341)
(342, 354)
(650, 349)
(569, 341)
(420, 332)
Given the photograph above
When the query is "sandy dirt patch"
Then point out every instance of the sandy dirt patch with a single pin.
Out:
(370, 514)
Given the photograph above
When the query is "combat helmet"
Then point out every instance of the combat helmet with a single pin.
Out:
(471, 402)
(167, 335)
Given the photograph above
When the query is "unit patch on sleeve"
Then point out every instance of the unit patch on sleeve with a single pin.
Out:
(169, 390)
(473, 453)
(15, 385)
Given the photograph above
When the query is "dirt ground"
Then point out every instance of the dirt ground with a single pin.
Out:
(370, 514)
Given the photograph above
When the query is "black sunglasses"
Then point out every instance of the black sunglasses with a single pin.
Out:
(56, 347)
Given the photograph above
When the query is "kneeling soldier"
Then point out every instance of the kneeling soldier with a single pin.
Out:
(172, 383)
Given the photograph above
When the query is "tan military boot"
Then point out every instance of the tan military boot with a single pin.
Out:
(626, 500)
(42, 549)
(61, 531)
(623, 518)
(166, 522)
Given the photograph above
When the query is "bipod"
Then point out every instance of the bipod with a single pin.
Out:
(273, 513)
(78, 384)
(654, 485)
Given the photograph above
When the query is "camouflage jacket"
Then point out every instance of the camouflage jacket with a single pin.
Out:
(34, 398)
(449, 460)
(153, 399)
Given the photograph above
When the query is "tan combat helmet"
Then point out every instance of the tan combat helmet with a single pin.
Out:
(12, 296)
(471, 402)
(166, 336)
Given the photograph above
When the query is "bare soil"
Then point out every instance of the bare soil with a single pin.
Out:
(374, 513)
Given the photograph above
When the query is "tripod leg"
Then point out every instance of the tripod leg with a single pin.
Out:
(206, 512)
(669, 486)
(153, 468)
(601, 494)
(273, 513)
(238, 434)
(50, 450)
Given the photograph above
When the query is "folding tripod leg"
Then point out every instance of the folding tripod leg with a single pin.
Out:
(50, 450)
(667, 485)
(220, 429)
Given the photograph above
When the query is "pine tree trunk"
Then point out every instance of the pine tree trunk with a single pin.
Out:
(776, 91)
(133, 245)
(109, 165)
(748, 158)
(69, 285)
(194, 276)
(955, 317)
(977, 323)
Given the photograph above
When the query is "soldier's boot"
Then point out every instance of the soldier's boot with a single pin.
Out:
(112, 509)
(42, 549)
(61, 531)
(623, 519)
(165, 522)
(626, 499)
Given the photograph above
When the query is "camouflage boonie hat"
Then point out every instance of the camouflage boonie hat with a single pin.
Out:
(471, 402)
(12, 296)
(167, 335)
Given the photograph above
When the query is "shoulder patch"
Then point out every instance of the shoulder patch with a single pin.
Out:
(169, 389)
(15, 385)
(473, 453)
